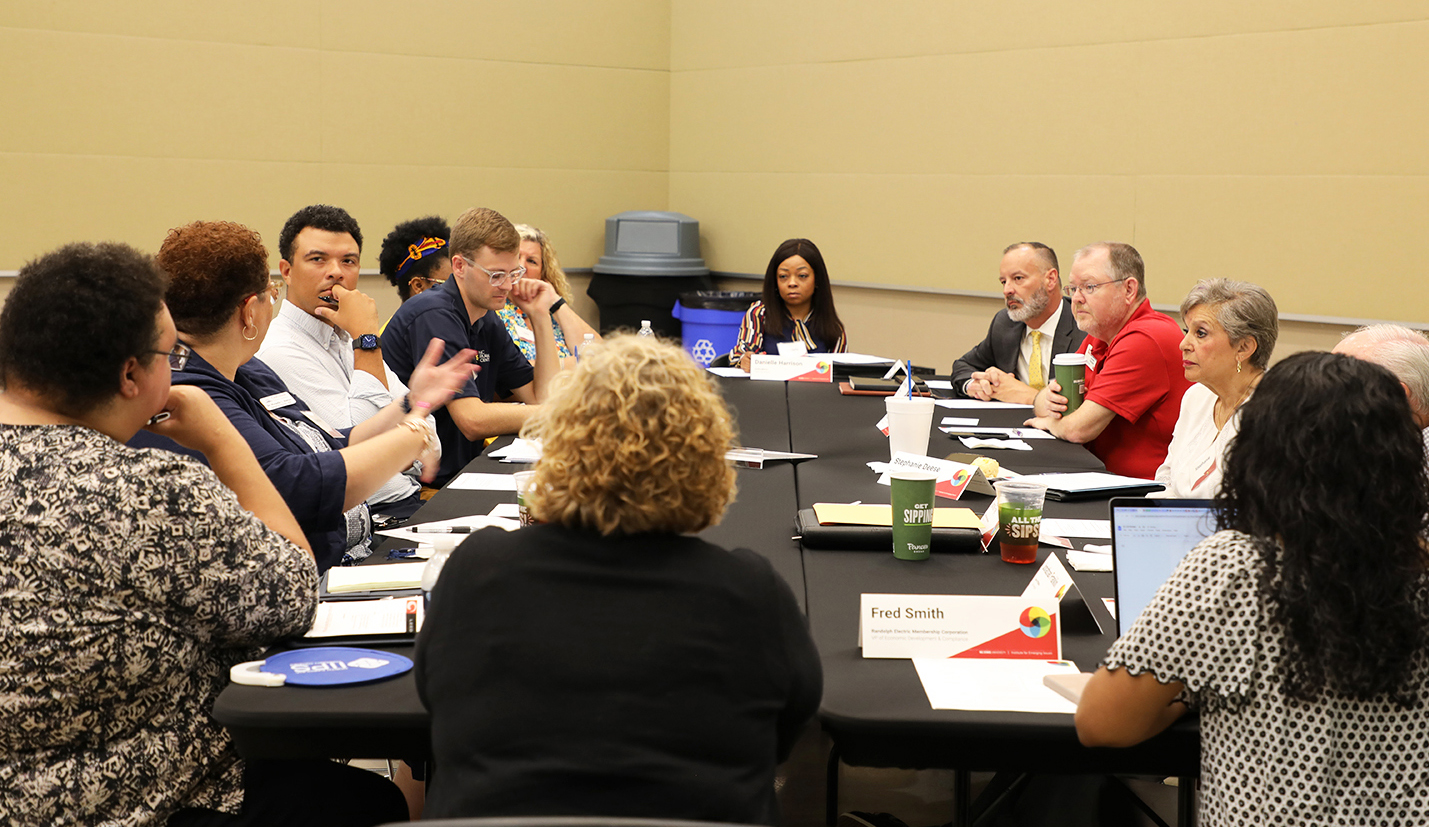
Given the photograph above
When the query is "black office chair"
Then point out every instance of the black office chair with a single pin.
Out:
(570, 821)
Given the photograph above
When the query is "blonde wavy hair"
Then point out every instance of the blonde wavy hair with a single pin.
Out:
(550, 265)
(633, 441)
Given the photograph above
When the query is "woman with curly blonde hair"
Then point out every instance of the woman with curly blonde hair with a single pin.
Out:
(604, 661)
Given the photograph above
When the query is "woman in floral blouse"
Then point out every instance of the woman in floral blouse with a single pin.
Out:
(131, 580)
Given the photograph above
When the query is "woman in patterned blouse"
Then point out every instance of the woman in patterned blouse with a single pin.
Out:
(130, 579)
(1299, 630)
(539, 259)
(797, 308)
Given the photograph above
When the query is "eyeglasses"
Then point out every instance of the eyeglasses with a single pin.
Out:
(275, 290)
(1071, 290)
(500, 277)
(434, 282)
(178, 355)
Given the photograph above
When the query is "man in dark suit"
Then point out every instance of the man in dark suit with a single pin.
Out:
(1015, 360)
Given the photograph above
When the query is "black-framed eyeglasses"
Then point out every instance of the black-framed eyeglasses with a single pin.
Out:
(1071, 290)
(178, 355)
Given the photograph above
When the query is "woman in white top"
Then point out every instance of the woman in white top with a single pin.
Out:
(1231, 328)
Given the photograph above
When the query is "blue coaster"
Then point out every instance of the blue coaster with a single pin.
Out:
(335, 666)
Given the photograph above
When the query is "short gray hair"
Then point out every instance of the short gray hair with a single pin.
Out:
(1242, 309)
(1404, 352)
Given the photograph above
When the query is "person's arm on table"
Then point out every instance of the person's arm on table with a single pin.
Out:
(1119, 709)
(535, 297)
(1006, 387)
(195, 422)
(432, 386)
(381, 457)
(356, 314)
(1082, 425)
(751, 336)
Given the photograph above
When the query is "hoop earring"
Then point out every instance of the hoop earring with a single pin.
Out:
(247, 338)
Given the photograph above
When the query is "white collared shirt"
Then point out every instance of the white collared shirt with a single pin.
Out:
(314, 359)
(1024, 358)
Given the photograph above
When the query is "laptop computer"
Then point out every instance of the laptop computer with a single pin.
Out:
(1148, 539)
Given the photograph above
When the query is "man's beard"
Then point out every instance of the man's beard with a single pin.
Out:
(1030, 308)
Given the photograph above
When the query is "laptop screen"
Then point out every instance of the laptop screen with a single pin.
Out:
(1149, 538)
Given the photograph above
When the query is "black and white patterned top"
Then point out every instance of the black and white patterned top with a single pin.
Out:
(130, 580)
(1266, 759)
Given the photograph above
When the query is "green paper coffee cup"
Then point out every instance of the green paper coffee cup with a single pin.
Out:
(1070, 369)
(912, 514)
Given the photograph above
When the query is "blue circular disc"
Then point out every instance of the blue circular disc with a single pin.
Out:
(335, 666)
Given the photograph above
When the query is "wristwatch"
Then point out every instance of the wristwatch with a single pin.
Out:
(367, 341)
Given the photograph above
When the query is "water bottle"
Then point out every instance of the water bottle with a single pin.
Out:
(645, 328)
(442, 546)
(589, 340)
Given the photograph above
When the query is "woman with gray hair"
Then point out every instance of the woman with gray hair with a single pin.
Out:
(1231, 328)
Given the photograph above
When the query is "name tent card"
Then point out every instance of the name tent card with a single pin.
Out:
(1054, 582)
(791, 368)
(959, 626)
(953, 477)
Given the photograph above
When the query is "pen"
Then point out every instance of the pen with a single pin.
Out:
(444, 529)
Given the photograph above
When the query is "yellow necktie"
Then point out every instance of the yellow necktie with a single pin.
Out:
(1034, 366)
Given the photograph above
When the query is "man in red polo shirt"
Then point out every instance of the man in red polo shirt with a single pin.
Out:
(1134, 374)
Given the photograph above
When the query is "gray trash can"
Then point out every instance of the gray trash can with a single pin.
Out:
(650, 259)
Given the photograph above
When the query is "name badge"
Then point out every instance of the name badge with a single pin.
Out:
(277, 400)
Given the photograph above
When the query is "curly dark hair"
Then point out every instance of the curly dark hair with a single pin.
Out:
(825, 324)
(321, 217)
(74, 317)
(212, 267)
(1327, 474)
(397, 243)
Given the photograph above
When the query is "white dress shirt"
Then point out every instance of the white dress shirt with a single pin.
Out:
(1024, 359)
(314, 359)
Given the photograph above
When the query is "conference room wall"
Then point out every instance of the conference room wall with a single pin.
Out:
(1278, 142)
(123, 120)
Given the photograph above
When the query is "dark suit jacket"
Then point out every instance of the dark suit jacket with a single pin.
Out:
(1004, 342)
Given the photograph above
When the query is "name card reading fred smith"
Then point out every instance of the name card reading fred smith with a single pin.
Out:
(959, 626)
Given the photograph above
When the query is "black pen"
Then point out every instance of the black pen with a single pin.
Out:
(444, 529)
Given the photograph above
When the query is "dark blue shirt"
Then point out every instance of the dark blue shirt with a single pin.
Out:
(313, 484)
(440, 313)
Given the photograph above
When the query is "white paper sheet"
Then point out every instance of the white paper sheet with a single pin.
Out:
(1110, 603)
(507, 511)
(939, 384)
(960, 420)
(473, 481)
(385, 616)
(731, 373)
(1064, 527)
(987, 430)
(1013, 444)
(993, 685)
(1085, 480)
(407, 533)
(1089, 561)
(520, 450)
(976, 404)
(857, 359)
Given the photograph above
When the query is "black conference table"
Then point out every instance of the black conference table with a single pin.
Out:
(875, 710)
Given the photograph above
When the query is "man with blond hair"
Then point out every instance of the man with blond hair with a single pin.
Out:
(486, 269)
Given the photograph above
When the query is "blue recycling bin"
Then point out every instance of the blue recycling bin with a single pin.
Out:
(709, 321)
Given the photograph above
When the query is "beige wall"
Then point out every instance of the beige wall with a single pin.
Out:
(1277, 142)
(124, 119)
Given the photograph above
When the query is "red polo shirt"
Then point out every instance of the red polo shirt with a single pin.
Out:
(1139, 377)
